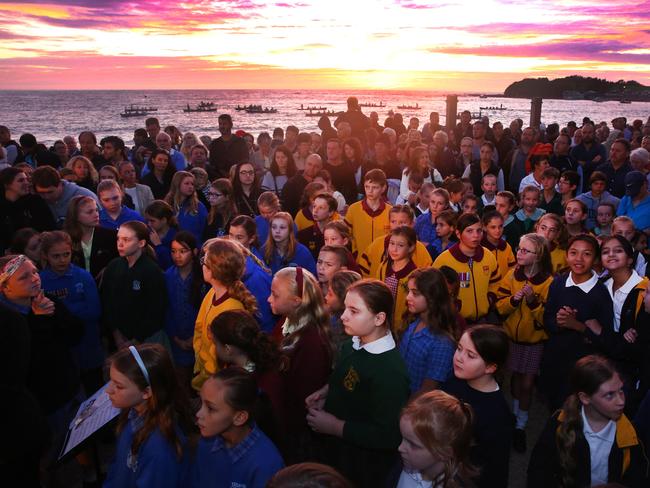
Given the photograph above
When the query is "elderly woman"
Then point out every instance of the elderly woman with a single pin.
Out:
(640, 160)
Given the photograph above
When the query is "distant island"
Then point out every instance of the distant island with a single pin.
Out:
(579, 88)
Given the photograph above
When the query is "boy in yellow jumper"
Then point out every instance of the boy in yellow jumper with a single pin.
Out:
(368, 219)
(377, 252)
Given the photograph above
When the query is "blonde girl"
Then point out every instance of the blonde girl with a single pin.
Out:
(223, 265)
(521, 298)
(190, 139)
(436, 438)
(85, 172)
(304, 338)
(552, 228)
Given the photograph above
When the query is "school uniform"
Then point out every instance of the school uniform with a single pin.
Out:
(181, 314)
(558, 258)
(375, 255)
(125, 215)
(565, 346)
(309, 357)
(367, 390)
(78, 291)
(397, 281)
(193, 222)
(427, 355)
(425, 228)
(98, 252)
(134, 299)
(164, 249)
(492, 427)
(506, 259)
(301, 258)
(312, 238)
(366, 224)
(258, 282)
(511, 231)
(155, 464)
(624, 462)
(205, 351)
(633, 359)
(524, 322)
(250, 464)
(479, 277)
(526, 223)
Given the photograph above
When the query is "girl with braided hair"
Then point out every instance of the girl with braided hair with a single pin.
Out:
(223, 266)
(589, 442)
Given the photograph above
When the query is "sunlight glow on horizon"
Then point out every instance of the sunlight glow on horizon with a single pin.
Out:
(410, 44)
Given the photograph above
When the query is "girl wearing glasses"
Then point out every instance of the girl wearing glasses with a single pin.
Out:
(246, 188)
(521, 298)
(222, 208)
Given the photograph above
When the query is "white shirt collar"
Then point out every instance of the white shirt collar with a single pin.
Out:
(607, 433)
(585, 286)
(627, 287)
(378, 346)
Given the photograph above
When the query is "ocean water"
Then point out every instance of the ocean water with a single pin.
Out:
(50, 115)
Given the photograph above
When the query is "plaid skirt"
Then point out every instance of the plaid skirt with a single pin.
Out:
(525, 358)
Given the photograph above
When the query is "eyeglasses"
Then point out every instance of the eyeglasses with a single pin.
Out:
(247, 173)
(525, 251)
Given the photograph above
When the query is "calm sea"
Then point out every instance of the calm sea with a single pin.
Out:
(50, 115)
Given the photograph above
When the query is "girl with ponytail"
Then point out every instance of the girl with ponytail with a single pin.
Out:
(590, 441)
(223, 265)
(436, 439)
(305, 340)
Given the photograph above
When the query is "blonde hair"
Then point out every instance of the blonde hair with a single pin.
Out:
(563, 235)
(311, 309)
(270, 246)
(444, 426)
(186, 147)
(174, 197)
(226, 261)
(92, 172)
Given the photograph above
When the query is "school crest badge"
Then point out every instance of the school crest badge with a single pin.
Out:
(351, 379)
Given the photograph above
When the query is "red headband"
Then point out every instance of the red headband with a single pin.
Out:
(299, 280)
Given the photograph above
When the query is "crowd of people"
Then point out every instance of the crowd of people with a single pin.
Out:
(348, 303)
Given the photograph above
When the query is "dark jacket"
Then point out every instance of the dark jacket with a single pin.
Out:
(292, 193)
(102, 252)
(27, 211)
(475, 175)
(628, 464)
(224, 154)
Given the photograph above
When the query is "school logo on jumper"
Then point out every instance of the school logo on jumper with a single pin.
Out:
(351, 379)
(486, 270)
(136, 285)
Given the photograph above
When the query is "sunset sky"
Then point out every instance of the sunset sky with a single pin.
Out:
(480, 45)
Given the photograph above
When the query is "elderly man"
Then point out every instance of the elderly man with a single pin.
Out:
(442, 157)
(294, 188)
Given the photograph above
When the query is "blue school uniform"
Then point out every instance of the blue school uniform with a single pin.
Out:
(77, 290)
(435, 248)
(302, 257)
(249, 464)
(193, 222)
(181, 314)
(164, 249)
(155, 464)
(425, 229)
(426, 355)
(258, 282)
(126, 214)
